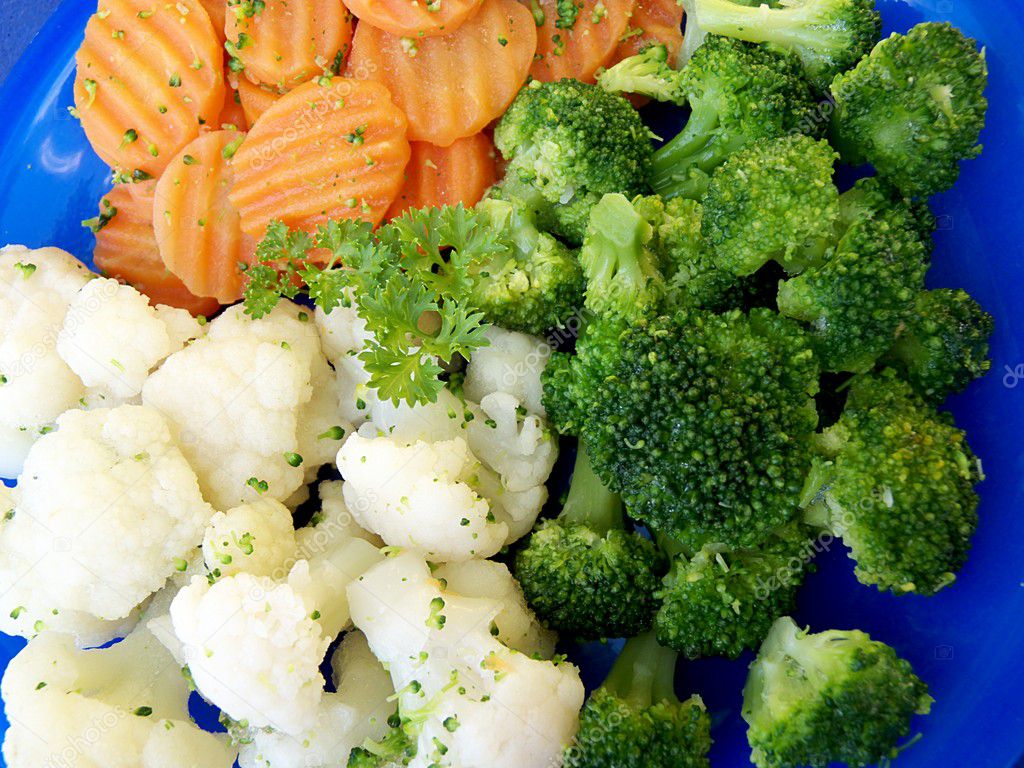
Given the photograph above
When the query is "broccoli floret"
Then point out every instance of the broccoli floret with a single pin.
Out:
(648, 73)
(721, 602)
(834, 696)
(635, 717)
(914, 108)
(693, 279)
(829, 36)
(700, 421)
(900, 491)
(621, 271)
(535, 284)
(396, 748)
(858, 299)
(944, 344)
(737, 93)
(584, 573)
(771, 201)
(574, 142)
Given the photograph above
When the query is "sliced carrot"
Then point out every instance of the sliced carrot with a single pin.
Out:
(288, 42)
(326, 150)
(437, 176)
(256, 99)
(451, 86)
(197, 226)
(653, 21)
(232, 113)
(415, 18)
(149, 74)
(580, 50)
(126, 249)
(216, 10)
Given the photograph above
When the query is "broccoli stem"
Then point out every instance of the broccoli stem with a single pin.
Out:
(589, 502)
(671, 165)
(757, 24)
(644, 673)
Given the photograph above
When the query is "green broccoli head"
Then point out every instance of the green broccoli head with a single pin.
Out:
(738, 93)
(829, 36)
(559, 398)
(701, 421)
(622, 272)
(944, 344)
(858, 299)
(635, 718)
(647, 73)
(900, 491)
(769, 202)
(693, 279)
(583, 572)
(574, 142)
(721, 602)
(534, 285)
(914, 108)
(834, 696)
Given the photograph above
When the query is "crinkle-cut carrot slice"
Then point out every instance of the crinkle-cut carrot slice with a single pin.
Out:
(256, 99)
(326, 150)
(149, 75)
(126, 249)
(289, 41)
(415, 18)
(197, 227)
(439, 176)
(232, 113)
(580, 50)
(653, 21)
(216, 10)
(451, 86)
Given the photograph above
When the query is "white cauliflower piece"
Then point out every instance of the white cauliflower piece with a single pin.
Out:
(462, 686)
(241, 400)
(420, 495)
(334, 521)
(516, 624)
(257, 538)
(36, 385)
(519, 447)
(512, 363)
(112, 338)
(105, 512)
(254, 644)
(346, 719)
(344, 336)
(121, 707)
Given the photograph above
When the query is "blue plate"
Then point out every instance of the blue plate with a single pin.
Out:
(968, 642)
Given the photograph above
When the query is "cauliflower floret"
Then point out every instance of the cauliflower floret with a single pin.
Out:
(517, 625)
(36, 386)
(344, 336)
(256, 538)
(458, 684)
(254, 644)
(512, 363)
(112, 338)
(334, 521)
(241, 400)
(105, 512)
(419, 495)
(519, 447)
(346, 719)
(121, 707)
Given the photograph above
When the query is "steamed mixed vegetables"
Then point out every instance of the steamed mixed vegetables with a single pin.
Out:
(743, 356)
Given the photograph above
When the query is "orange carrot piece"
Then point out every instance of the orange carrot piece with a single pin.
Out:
(197, 227)
(451, 86)
(653, 21)
(326, 150)
(415, 18)
(256, 99)
(581, 50)
(216, 10)
(438, 176)
(232, 113)
(289, 42)
(126, 250)
(149, 75)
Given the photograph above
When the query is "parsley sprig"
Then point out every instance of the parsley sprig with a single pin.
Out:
(410, 281)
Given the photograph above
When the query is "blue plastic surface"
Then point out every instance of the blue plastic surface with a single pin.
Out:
(968, 642)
